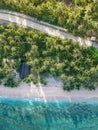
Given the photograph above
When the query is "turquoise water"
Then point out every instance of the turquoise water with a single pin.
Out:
(37, 115)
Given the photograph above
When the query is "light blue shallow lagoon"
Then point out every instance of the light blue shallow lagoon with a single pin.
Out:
(38, 115)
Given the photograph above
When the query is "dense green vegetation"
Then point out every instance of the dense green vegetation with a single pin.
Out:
(80, 17)
(76, 65)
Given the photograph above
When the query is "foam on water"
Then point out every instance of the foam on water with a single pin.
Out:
(38, 115)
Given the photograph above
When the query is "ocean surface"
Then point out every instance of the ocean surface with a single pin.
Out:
(38, 115)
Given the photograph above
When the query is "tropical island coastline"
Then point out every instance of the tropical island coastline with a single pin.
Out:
(48, 65)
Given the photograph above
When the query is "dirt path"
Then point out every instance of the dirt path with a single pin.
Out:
(9, 16)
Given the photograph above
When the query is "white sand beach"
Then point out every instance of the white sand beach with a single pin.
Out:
(52, 91)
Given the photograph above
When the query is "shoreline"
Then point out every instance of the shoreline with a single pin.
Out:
(47, 93)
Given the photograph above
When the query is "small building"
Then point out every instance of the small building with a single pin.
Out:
(24, 70)
(93, 39)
